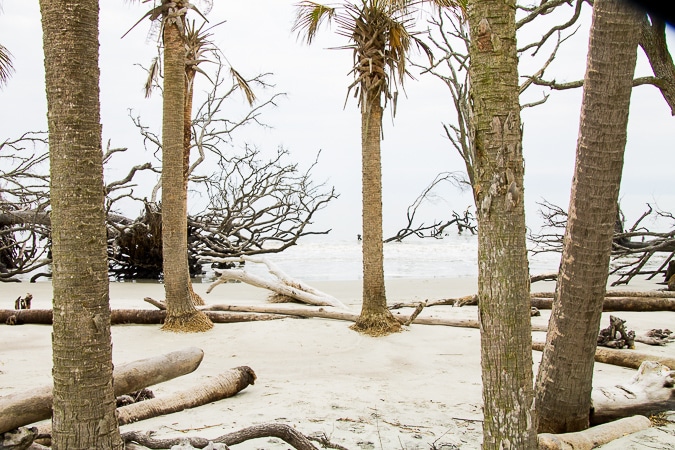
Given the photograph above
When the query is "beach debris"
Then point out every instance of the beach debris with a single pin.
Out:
(631, 359)
(593, 436)
(23, 302)
(19, 439)
(616, 335)
(648, 392)
(20, 409)
(280, 283)
(656, 336)
(281, 431)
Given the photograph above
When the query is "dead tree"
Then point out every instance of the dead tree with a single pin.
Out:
(438, 228)
(632, 248)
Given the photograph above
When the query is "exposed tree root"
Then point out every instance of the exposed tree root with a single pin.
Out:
(191, 322)
(377, 324)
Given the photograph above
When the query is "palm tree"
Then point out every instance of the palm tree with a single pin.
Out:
(503, 273)
(379, 33)
(84, 404)
(563, 402)
(181, 312)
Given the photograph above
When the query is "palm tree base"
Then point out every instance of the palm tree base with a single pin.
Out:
(377, 324)
(193, 322)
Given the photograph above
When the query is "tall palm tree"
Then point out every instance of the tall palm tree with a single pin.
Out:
(83, 397)
(563, 402)
(379, 33)
(181, 312)
(503, 273)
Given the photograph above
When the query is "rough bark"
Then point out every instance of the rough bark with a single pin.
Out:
(21, 409)
(375, 319)
(593, 437)
(210, 390)
(84, 401)
(182, 315)
(503, 275)
(562, 400)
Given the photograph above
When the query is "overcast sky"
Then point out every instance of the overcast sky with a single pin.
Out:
(257, 38)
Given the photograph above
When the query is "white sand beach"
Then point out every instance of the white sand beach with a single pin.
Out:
(418, 389)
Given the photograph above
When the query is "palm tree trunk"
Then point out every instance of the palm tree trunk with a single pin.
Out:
(503, 275)
(181, 312)
(83, 396)
(375, 318)
(563, 402)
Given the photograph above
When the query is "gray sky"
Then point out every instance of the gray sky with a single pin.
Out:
(257, 38)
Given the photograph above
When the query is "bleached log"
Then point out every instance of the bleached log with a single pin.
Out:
(619, 303)
(281, 284)
(593, 436)
(347, 316)
(650, 391)
(21, 409)
(211, 389)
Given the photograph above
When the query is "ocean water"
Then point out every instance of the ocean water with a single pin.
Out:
(450, 257)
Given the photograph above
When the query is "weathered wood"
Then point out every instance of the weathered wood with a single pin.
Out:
(594, 436)
(211, 389)
(278, 430)
(649, 392)
(19, 439)
(125, 316)
(624, 358)
(620, 303)
(17, 410)
(347, 316)
(282, 284)
(617, 293)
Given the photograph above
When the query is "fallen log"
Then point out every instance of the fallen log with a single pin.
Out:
(21, 409)
(212, 389)
(347, 316)
(593, 436)
(281, 284)
(610, 304)
(624, 358)
(618, 293)
(123, 316)
(278, 430)
(649, 392)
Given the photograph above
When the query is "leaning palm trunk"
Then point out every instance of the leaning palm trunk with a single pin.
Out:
(564, 402)
(503, 275)
(83, 397)
(181, 312)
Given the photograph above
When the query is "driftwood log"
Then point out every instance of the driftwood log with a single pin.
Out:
(280, 283)
(593, 436)
(623, 303)
(124, 316)
(649, 392)
(211, 389)
(21, 409)
(278, 430)
(624, 358)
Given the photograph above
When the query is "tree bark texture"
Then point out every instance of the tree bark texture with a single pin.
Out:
(84, 400)
(182, 314)
(503, 274)
(375, 318)
(22, 409)
(563, 391)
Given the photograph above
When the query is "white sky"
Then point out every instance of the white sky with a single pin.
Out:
(257, 38)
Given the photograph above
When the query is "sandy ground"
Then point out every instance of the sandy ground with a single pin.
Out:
(419, 389)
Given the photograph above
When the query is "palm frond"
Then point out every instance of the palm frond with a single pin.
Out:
(310, 15)
(153, 76)
(6, 66)
(243, 84)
